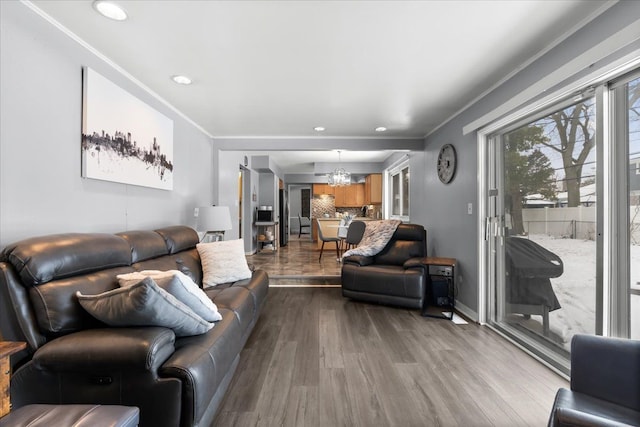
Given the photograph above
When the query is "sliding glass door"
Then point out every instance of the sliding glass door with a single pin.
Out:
(563, 221)
(545, 233)
(629, 92)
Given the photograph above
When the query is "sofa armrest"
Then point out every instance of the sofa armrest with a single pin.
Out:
(576, 418)
(606, 368)
(360, 260)
(140, 348)
(417, 262)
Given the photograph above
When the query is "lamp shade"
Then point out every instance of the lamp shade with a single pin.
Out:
(214, 218)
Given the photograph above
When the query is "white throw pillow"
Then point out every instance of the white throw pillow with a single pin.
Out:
(223, 262)
(180, 286)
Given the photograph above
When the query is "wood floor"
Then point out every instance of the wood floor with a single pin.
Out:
(318, 359)
(300, 257)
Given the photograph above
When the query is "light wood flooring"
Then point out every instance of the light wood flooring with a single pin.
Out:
(318, 359)
(298, 258)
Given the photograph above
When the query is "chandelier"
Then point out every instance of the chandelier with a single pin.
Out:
(339, 177)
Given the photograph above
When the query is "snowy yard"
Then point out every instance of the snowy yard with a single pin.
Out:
(575, 288)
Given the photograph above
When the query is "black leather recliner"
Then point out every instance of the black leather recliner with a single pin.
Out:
(605, 384)
(72, 358)
(395, 276)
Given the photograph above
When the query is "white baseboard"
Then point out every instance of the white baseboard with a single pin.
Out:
(469, 313)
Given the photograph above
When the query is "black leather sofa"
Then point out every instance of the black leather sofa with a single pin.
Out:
(395, 276)
(72, 358)
(605, 384)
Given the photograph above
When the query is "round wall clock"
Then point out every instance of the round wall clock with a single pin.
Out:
(447, 163)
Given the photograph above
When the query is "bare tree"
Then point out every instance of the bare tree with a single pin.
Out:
(575, 130)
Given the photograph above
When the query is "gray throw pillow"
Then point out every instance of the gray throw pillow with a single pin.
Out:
(144, 304)
(180, 286)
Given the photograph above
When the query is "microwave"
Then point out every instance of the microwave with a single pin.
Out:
(265, 215)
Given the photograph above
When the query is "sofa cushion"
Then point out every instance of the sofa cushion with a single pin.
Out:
(144, 244)
(237, 299)
(385, 280)
(144, 304)
(41, 259)
(178, 238)
(180, 286)
(202, 362)
(40, 415)
(223, 262)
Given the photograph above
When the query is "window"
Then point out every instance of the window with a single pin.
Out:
(398, 184)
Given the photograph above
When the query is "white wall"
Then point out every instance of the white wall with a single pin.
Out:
(41, 190)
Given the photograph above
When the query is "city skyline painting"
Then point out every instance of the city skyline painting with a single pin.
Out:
(124, 140)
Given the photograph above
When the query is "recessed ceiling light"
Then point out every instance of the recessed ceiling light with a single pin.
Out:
(381, 129)
(319, 129)
(110, 10)
(181, 80)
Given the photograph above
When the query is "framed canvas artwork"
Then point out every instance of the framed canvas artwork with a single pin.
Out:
(123, 139)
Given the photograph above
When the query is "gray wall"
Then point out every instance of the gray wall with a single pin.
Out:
(41, 190)
(295, 206)
(452, 232)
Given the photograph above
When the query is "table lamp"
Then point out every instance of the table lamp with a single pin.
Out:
(214, 221)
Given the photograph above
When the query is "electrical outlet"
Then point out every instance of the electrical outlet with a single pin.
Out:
(196, 211)
(470, 208)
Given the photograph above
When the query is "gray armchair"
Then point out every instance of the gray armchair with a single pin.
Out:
(605, 384)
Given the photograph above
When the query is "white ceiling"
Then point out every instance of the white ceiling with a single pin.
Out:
(303, 162)
(280, 68)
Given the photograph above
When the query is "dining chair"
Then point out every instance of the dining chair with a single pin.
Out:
(324, 239)
(354, 234)
(342, 231)
(304, 223)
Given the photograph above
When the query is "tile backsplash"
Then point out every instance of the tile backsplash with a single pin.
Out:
(321, 205)
(325, 204)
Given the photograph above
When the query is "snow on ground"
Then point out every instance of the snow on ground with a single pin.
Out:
(575, 288)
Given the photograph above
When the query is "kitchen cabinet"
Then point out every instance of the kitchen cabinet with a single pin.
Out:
(323, 189)
(349, 196)
(373, 189)
(358, 195)
(341, 196)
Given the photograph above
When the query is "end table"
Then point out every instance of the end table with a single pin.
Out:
(442, 270)
(7, 348)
